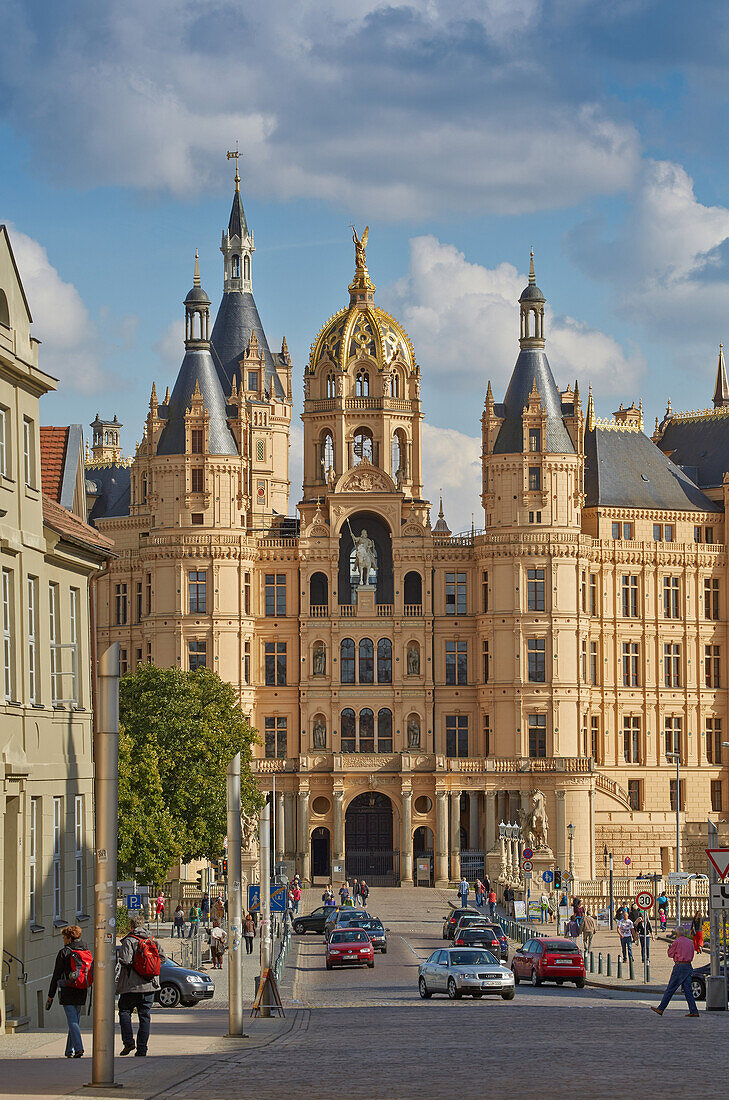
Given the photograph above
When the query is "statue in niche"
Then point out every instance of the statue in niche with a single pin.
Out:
(413, 659)
(320, 734)
(364, 554)
(413, 732)
(320, 659)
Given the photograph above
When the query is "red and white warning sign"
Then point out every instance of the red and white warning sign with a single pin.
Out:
(720, 858)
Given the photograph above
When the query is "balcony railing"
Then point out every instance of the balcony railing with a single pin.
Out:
(319, 610)
(347, 610)
(384, 610)
(413, 610)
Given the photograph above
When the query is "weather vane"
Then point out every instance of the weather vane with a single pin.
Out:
(234, 156)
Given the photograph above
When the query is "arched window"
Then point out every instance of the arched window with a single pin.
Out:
(366, 661)
(319, 659)
(348, 730)
(346, 661)
(235, 267)
(327, 454)
(362, 384)
(384, 730)
(412, 659)
(4, 310)
(366, 730)
(331, 387)
(384, 661)
(413, 590)
(396, 385)
(319, 590)
(363, 446)
(399, 454)
(246, 267)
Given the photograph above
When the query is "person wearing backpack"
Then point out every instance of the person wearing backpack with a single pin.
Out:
(140, 959)
(72, 977)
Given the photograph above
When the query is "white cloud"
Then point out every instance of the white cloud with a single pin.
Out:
(171, 345)
(452, 464)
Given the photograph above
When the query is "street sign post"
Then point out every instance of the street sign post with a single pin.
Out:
(677, 878)
(720, 859)
(627, 861)
(644, 900)
(547, 876)
(134, 901)
(719, 895)
(528, 865)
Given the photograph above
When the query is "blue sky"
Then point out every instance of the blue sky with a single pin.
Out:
(462, 133)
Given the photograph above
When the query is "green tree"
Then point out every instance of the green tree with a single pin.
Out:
(146, 838)
(182, 728)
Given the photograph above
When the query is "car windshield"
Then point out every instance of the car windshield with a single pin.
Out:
(561, 947)
(465, 921)
(472, 958)
(372, 925)
(349, 937)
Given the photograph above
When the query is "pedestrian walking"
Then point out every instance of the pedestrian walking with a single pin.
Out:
(140, 959)
(662, 918)
(578, 912)
(205, 908)
(73, 974)
(220, 909)
(625, 931)
(344, 895)
(588, 929)
(492, 903)
(159, 908)
(217, 945)
(364, 893)
(486, 886)
(328, 897)
(478, 891)
(355, 892)
(296, 896)
(463, 892)
(644, 932)
(249, 932)
(194, 921)
(697, 932)
(178, 922)
(682, 953)
(544, 907)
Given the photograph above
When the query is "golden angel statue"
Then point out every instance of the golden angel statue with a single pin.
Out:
(360, 247)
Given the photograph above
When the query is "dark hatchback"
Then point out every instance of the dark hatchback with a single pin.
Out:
(453, 918)
(315, 920)
(374, 928)
(478, 937)
(180, 985)
(501, 937)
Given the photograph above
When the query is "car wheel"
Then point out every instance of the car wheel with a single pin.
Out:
(453, 991)
(477, 996)
(371, 965)
(423, 989)
(516, 976)
(299, 928)
(169, 996)
(384, 950)
(508, 996)
(580, 983)
(536, 980)
(698, 988)
(329, 966)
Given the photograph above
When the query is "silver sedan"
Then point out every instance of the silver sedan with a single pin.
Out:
(459, 970)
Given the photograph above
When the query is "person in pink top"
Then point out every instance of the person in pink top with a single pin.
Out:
(682, 953)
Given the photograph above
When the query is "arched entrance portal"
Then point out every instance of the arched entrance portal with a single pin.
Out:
(368, 834)
(320, 853)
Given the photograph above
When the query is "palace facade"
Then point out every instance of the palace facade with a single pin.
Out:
(559, 656)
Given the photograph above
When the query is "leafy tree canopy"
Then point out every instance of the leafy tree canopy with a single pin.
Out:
(178, 732)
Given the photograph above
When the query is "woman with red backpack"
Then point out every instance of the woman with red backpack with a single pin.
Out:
(72, 977)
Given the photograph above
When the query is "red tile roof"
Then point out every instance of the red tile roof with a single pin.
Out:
(53, 442)
(73, 529)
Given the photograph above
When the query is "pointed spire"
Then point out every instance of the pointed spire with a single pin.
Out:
(441, 527)
(167, 396)
(440, 511)
(532, 276)
(153, 400)
(489, 394)
(721, 390)
(590, 419)
(196, 279)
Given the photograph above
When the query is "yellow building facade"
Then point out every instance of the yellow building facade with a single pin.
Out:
(413, 689)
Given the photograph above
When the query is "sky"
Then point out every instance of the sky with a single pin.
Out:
(463, 132)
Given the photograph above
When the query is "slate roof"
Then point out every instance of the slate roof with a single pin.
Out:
(237, 226)
(112, 485)
(532, 366)
(702, 444)
(625, 469)
(72, 528)
(237, 318)
(197, 368)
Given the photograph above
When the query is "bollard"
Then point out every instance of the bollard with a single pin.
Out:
(609, 966)
(647, 972)
(599, 962)
(592, 963)
(631, 969)
(620, 968)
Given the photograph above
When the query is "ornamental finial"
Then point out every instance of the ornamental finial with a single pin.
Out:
(360, 246)
(196, 279)
(234, 156)
(532, 276)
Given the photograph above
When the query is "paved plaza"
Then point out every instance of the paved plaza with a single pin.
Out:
(368, 1033)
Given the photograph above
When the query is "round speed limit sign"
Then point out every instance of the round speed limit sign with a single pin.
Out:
(644, 899)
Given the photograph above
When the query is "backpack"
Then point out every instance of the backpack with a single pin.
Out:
(146, 960)
(81, 974)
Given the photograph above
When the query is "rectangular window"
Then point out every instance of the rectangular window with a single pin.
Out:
(631, 739)
(275, 594)
(275, 738)
(535, 478)
(54, 624)
(595, 737)
(535, 517)
(631, 674)
(139, 602)
(456, 655)
(73, 628)
(535, 440)
(713, 740)
(537, 660)
(668, 532)
(247, 593)
(593, 664)
(671, 597)
(716, 799)
(627, 531)
(593, 593)
(196, 441)
(616, 530)
(197, 519)
(197, 650)
(712, 666)
(8, 636)
(78, 832)
(197, 591)
(57, 858)
(120, 604)
(484, 592)
(697, 534)
(148, 593)
(149, 653)
(681, 795)
(33, 912)
(630, 597)
(708, 534)
(672, 665)
(28, 451)
(275, 663)
(583, 590)
(485, 658)
(657, 532)
(4, 443)
(711, 597)
(487, 734)
(456, 735)
(537, 735)
(634, 796)
(535, 590)
(583, 660)
(33, 639)
(672, 735)
(246, 662)
(196, 479)
(456, 594)
(252, 379)
(123, 662)
(137, 658)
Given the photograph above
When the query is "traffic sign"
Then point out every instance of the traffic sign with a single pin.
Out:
(134, 901)
(719, 895)
(527, 876)
(677, 878)
(528, 865)
(644, 899)
(566, 876)
(627, 861)
(527, 853)
(278, 898)
(547, 876)
(720, 858)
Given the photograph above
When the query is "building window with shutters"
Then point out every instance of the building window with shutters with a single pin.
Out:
(537, 724)
(196, 479)
(456, 726)
(196, 441)
(711, 598)
(275, 664)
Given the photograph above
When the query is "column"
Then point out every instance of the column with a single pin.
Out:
(303, 859)
(560, 832)
(338, 838)
(406, 842)
(280, 827)
(490, 822)
(289, 826)
(455, 836)
(473, 819)
(441, 838)
(591, 797)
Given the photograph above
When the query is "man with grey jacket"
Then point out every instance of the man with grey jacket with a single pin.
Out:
(135, 991)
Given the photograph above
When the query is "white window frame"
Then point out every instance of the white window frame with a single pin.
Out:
(4, 442)
(32, 588)
(28, 442)
(74, 600)
(57, 858)
(33, 862)
(8, 642)
(54, 635)
(78, 832)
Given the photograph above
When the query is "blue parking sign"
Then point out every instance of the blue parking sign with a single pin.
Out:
(134, 901)
(278, 898)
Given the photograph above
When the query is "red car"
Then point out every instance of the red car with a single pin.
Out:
(349, 947)
(549, 960)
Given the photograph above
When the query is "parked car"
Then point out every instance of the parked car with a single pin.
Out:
(459, 970)
(453, 918)
(501, 937)
(313, 921)
(476, 936)
(468, 920)
(180, 985)
(342, 917)
(549, 960)
(349, 946)
(698, 980)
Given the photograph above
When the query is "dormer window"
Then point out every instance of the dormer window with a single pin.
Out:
(535, 440)
(253, 380)
(196, 441)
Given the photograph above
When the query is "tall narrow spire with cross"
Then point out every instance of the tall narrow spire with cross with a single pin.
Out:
(721, 390)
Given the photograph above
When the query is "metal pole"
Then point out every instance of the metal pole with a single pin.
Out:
(612, 897)
(264, 841)
(235, 900)
(106, 797)
(678, 840)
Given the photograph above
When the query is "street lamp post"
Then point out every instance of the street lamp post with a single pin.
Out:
(571, 835)
(502, 841)
(677, 757)
(612, 895)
